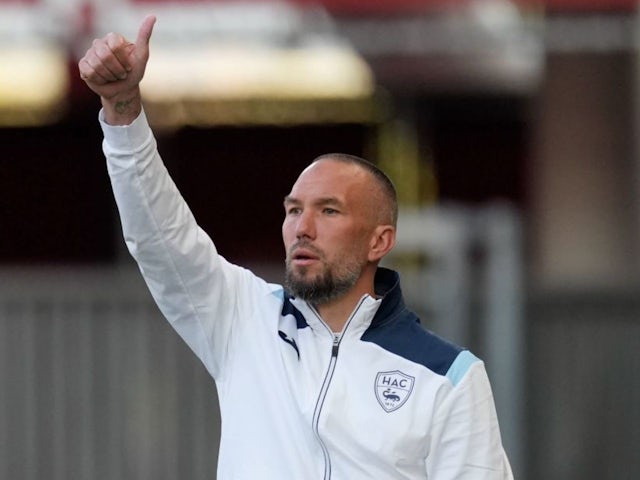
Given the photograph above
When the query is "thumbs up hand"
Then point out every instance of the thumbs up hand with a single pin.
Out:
(113, 68)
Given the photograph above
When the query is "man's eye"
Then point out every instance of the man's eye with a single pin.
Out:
(330, 211)
(293, 211)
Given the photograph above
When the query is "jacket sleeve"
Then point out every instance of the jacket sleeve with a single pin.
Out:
(197, 290)
(466, 442)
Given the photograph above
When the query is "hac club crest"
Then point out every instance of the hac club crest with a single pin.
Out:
(393, 389)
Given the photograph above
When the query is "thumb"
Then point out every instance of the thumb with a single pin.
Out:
(144, 34)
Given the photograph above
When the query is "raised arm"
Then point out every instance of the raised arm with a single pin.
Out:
(201, 294)
(113, 68)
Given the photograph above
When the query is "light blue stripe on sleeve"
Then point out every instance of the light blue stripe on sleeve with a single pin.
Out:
(460, 366)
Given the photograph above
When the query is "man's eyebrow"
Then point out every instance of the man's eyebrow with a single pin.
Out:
(288, 200)
(329, 201)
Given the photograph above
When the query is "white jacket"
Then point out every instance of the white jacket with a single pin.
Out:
(385, 400)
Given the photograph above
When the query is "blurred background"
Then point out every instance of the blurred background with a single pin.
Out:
(509, 127)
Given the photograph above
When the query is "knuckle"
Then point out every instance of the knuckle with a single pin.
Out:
(102, 51)
(114, 40)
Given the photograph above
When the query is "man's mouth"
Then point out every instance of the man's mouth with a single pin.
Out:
(303, 256)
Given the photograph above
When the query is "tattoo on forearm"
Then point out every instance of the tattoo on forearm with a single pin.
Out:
(123, 106)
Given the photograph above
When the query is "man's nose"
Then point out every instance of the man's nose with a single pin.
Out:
(305, 226)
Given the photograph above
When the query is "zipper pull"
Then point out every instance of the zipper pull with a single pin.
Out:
(334, 349)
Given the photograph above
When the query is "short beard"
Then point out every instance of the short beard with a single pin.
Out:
(324, 288)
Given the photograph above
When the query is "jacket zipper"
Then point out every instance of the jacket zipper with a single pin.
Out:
(337, 338)
(320, 402)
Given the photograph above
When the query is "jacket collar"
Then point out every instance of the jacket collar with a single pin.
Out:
(387, 286)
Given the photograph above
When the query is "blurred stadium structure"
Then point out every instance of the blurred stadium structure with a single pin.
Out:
(462, 271)
(509, 127)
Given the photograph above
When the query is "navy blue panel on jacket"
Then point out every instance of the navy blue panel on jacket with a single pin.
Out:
(398, 330)
(289, 309)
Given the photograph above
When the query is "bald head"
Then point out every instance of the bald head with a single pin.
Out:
(384, 199)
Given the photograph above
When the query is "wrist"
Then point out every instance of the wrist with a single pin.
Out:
(123, 108)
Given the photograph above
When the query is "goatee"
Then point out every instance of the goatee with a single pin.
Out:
(321, 289)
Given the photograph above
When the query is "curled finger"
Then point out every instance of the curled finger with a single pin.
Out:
(110, 62)
(120, 48)
(89, 73)
(98, 59)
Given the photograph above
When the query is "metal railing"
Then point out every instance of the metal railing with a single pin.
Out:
(95, 385)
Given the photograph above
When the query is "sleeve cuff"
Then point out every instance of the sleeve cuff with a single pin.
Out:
(125, 137)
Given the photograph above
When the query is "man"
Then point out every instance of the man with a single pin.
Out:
(330, 378)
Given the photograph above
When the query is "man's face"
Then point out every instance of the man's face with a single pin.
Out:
(327, 230)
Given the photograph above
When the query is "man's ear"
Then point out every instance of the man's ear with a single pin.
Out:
(382, 241)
